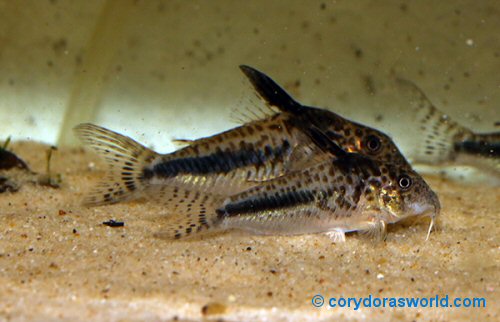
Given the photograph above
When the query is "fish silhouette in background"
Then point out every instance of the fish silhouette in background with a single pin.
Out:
(446, 142)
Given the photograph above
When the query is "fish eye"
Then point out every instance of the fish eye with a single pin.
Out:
(404, 182)
(373, 143)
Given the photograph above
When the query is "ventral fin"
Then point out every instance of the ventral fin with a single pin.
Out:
(190, 212)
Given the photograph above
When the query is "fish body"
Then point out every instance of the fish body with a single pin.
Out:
(446, 142)
(258, 151)
(233, 160)
(225, 163)
(479, 150)
(485, 145)
(348, 135)
(14, 173)
(302, 170)
(346, 193)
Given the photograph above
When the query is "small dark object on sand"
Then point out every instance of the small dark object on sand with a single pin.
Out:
(113, 223)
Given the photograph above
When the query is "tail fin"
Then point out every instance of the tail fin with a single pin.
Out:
(271, 92)
(191, 212)
(439, 131)
(126, 160)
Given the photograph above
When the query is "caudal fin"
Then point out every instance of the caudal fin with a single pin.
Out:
(126, 161)
(439, 131)
(271, 92)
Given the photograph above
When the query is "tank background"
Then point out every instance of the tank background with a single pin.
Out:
(158, 70)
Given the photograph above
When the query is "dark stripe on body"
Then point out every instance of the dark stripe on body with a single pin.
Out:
(354, 163)
(480, 148)
(217, 162)
(280, 201)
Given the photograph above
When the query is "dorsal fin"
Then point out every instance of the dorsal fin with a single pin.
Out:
(271, 92)
(251, 111)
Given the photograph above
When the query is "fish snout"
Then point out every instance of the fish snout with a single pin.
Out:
(436, 205)
(427, 206)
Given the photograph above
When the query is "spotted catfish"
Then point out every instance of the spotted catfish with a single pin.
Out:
(446, 141)
(349, 192)
(349, 135)
(225, 163)
(234, 160)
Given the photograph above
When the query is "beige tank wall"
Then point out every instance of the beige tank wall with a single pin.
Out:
(163, 69)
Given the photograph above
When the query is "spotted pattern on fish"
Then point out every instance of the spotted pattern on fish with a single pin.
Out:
(220, 161)
(237, 159)
(322, 198)
(348, 192)
(348, 135)
(446, 142)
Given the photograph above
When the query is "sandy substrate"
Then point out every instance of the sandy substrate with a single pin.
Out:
(59, 262)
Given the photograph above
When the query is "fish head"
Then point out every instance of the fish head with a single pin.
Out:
(377, 145)
(403, 193)
(355, 137)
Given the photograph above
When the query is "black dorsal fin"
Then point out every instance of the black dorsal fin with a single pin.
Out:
(271, 92)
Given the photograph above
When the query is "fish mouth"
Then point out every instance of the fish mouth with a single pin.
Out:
(429, 210)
